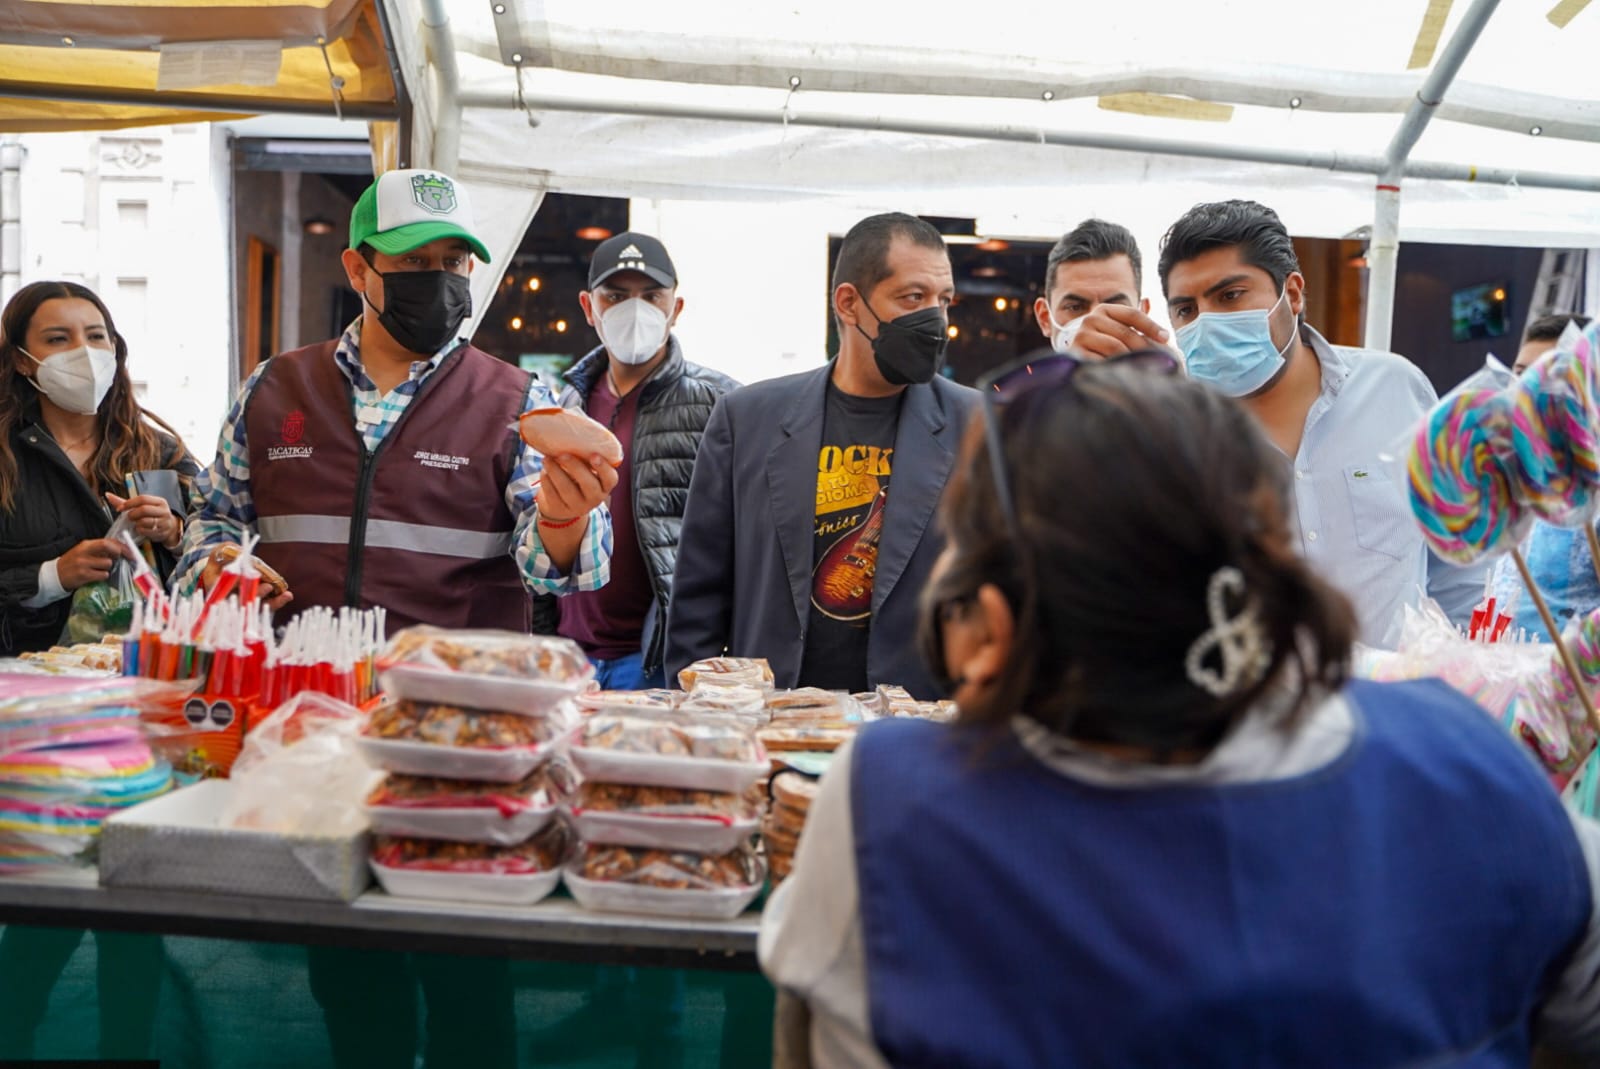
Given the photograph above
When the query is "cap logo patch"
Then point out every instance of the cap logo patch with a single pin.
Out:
(434, 193)
(631, 253)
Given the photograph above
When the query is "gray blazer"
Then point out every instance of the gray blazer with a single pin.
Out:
(743, 581)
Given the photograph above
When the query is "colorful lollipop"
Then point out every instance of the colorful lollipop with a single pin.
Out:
(1553, 439)
(1458, 478)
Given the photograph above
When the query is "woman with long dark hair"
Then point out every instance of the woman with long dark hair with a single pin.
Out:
(73, 433)
(1167, 829)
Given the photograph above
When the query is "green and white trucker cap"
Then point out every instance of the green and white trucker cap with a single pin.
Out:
(405, 209)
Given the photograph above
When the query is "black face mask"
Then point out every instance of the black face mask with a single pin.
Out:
(422, 310)
(909, 350)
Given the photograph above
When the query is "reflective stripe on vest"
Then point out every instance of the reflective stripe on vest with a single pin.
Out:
(387, 534)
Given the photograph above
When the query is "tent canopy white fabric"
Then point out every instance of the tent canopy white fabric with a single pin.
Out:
(1026, 115)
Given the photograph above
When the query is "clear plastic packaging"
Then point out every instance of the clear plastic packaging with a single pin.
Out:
(506, 765)
(662, 883)
(669, 750)
(451, 725)
(1555, 438)
(804, 737)
(496, 670)
(816, 707)
(739, 699)
(727, 671)
(622, 700)
(664, 818)
(517, 875)
(467, 811)
(300, 772)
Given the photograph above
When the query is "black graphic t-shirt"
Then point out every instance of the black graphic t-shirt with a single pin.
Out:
(853, 469)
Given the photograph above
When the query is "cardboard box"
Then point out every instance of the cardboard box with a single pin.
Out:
(174, 843)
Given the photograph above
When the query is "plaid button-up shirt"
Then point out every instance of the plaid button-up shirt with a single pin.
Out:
(221, 503)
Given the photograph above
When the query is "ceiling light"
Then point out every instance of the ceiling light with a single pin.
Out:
(1295, 102)
(516, 57)
(994, 245)
(69, 42)
(952, 331)
(1048, 95)
(533, 283)
(318, 226)
(516, 322)
(999, 304)
(561, 326)
(499, 9)
(1536, 131)
(593, 233)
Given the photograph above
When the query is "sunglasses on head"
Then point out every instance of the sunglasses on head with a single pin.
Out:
(1058, 369)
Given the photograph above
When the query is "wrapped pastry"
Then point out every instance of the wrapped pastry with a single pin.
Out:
(541, 789)
(663, 801)
(659, 700)
(737, 698)
(669, 870)
(542, 853)
(494, 654)
(717, 671)
(449, 725)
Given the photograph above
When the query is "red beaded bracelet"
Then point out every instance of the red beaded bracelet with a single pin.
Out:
(557, 526)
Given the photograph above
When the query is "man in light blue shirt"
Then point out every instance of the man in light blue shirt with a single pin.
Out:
(1237, 300)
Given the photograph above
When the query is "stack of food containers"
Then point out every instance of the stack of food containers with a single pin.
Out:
(792, 795)
(670, 802)
(472, 734)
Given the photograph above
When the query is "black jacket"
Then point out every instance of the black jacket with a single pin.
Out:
(54, 510)
(673, 409)
(744, 576)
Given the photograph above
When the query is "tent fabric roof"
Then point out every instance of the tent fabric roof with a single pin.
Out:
(74, 57)
(1329, 80)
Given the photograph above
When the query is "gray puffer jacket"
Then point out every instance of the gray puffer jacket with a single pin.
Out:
(673, 410)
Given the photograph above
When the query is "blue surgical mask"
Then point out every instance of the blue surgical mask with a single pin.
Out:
(1233, 352)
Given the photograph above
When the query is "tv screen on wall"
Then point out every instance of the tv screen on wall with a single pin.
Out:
(1481, 311)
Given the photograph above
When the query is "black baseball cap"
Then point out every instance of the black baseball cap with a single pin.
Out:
(629, 251)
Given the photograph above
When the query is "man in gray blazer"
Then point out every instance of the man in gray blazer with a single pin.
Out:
(810, 527)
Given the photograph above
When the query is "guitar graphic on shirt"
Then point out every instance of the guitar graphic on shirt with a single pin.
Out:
(841, 584)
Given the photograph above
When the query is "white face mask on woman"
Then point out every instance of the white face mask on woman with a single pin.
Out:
(77, 379)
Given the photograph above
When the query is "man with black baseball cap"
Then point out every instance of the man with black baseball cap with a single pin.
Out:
(657, 403)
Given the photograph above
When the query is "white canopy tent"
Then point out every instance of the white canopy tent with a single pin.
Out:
(1028, 116)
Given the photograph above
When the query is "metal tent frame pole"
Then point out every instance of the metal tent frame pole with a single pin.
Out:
(447, 92)
(1314, 159)
(1383, 252)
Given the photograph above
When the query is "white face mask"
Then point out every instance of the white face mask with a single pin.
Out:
(78, 379)
(1062, 335)
(633, 330)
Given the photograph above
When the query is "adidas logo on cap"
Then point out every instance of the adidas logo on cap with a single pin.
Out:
(631, 253)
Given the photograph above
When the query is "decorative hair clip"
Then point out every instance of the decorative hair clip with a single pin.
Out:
(1239, 641)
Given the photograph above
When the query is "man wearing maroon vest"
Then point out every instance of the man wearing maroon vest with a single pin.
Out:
(379, 469)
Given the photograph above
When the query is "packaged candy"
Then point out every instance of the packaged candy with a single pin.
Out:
(669, 750)
(665, 883)
(454, 743)
(668, 818)
(659, 700)
(495, 670)
(466, 810)
(727, 671)
(517, 875)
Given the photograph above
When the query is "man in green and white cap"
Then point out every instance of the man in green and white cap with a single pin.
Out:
(379, 469)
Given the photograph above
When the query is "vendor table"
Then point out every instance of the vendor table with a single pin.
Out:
(235, 989)
(556, 929)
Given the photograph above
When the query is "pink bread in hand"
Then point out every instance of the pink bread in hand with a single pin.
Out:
(557, 431)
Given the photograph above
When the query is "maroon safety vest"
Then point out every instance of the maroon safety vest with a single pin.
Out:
(419, 526)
